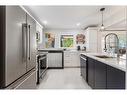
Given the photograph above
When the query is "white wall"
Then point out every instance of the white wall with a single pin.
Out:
(117, 21)
(59, 32)
(118, 33)
(40, 30)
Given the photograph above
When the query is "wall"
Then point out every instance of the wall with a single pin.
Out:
(120, 34)
(39, 29)
(59, 32)
(116, 21)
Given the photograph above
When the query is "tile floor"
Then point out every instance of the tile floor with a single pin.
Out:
(67, 78)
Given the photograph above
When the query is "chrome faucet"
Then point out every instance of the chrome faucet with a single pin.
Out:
(117, 46)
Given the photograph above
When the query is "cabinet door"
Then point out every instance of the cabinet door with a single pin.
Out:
(91, 64)
(31, 51)
(67, 59)
(74, 59)
(100, 75)
(115, 78)
(15, 67)
(71, 59)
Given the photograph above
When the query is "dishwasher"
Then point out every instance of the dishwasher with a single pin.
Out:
(55, 59)
(83, 66)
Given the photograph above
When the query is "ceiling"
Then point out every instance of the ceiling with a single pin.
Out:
(66, 17)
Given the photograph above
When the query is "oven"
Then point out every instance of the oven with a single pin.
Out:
(42, 66)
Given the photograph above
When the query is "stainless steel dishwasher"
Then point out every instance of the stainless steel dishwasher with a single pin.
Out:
(55, 59)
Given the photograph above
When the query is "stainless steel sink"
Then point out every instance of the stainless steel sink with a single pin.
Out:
(103, 56)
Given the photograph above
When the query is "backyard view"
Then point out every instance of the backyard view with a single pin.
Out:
(66, 41)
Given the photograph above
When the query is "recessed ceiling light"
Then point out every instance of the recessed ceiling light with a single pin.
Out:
(78, 24)
(45, 22)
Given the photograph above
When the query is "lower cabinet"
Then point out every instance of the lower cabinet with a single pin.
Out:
(115, 78)
(102, 76)
(96, 74)
(71, 59)
(91, 72)
(99, 75)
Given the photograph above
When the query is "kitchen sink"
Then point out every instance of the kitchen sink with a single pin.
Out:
(103, 56)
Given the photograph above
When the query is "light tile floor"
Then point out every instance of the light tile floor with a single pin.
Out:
(67, 78)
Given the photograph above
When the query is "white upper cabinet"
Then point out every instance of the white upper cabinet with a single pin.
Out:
(91, 39)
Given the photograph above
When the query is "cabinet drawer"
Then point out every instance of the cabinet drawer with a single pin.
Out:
(67, 56)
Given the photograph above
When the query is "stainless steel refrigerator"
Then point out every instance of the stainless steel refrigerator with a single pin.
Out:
(17, 48)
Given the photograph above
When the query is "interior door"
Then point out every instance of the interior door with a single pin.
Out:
(31, 29)
(15, 67)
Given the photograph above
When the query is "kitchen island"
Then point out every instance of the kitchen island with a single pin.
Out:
(103, 73)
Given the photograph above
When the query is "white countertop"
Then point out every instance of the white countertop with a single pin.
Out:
(114, 62)
(54, 49)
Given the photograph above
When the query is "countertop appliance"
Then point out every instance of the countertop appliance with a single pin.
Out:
(83, 63)
(18, 47)
(78, 48)
(42, 66)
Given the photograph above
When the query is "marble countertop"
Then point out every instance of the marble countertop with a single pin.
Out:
(114, 62)
(60, 49)
(50, 49)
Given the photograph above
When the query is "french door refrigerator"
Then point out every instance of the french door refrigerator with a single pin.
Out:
(17, 47)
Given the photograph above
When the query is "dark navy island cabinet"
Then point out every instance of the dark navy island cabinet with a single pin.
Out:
(91, 65)
(115, 78)
(100, 75)
(103, 76)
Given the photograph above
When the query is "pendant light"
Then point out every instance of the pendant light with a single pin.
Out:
(102, 25)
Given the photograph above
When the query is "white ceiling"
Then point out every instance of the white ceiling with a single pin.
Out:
(66, 17)
(121, 25)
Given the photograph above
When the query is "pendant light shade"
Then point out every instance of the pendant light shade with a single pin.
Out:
(102, 25)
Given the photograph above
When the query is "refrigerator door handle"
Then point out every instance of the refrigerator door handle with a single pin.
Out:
(29, 43)
(24, 42)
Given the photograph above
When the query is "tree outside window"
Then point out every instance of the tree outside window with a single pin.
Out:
(67, 41)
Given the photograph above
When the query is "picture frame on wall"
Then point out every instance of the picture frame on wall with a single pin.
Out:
(49, 40)
(80, 39)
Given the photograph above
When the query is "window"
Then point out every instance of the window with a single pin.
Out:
(67, 41)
